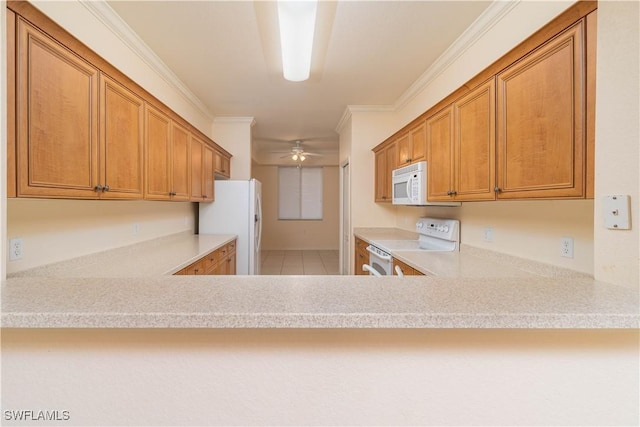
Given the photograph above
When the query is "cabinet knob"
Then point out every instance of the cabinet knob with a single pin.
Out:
(454, 192)
(497, 189)
(106, 188)
(172, 193)
(98, 188)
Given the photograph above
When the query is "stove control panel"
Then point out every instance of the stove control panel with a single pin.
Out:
(445, 229)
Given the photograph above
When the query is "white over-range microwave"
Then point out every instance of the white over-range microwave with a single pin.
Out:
(409, 186)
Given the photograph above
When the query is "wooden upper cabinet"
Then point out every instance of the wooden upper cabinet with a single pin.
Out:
(403, 144)
(208, 160)
(222, 164)
(197, 154)
(541, 109)
(592, 38)
(412, 145)
(57, 116)
(474, 145)
(180, 163)
(11, 103)
(158, 151)
(386, 160)
(439, 130)
(121, 141)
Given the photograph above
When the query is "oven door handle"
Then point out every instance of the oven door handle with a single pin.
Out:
(373, 271)
(383, 257)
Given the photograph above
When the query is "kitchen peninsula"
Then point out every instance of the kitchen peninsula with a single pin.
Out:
(362, 349)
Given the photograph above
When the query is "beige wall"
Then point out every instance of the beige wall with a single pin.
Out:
(282, 235)
(618, 138)
(235, 132)
(324, 377)
(57, 230)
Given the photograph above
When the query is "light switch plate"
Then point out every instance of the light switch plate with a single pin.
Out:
(616, 212)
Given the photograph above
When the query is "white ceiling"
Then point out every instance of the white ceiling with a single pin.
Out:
(223, 52)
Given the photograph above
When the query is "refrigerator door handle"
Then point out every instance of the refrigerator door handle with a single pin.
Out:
(259, 221)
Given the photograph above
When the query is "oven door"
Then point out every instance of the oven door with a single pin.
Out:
(381, 264)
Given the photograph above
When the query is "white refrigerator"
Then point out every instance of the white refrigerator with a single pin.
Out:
(237, 209)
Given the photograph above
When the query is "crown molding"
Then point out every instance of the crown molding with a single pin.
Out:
(105, 14)
(490, 17)
(348, 112)
(222, 119)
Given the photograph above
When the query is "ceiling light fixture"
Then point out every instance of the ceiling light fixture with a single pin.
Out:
(297, 20)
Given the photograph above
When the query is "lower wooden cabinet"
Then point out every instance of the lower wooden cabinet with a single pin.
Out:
(362, 256)
(222, 261)
(406, 269)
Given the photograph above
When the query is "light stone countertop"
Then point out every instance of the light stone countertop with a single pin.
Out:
(468, 262)
(316, 302)
(157, 257)
(467, 294)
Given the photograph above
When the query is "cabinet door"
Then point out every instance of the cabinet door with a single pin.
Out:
(418, 136)
(222, 164)
(180, 162)
(121, 141)
(406, 269)
(541, 140)
(391, 155)
(380, 176)
(403, 145)
(440, 155)
(474, 150)
(158, 150)
(207, 174)
(361, 257)
(11, 103)
(57, 116)
(197, 148)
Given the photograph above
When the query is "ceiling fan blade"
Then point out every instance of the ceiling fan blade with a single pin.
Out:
(312, 154)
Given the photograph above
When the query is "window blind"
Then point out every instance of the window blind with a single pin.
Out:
(300, 193)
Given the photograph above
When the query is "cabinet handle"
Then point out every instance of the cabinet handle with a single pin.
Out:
(497, 189)
(106, 188)
(98, 188)
(204, 196)
(454, 192)
(172, 193)
(195, 271)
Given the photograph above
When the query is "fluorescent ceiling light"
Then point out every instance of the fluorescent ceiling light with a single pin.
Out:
(297, 21)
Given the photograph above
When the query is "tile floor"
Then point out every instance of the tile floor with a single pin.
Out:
(307, 262)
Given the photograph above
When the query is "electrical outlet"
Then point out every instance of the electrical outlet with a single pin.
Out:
(15, 249)
(136, 228)
(487, 234)
(566, 247)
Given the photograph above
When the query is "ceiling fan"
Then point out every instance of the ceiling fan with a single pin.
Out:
(298, 154)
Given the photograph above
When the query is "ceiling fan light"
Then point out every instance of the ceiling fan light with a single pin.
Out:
(302, 157)
(297, 21)
(294, 157)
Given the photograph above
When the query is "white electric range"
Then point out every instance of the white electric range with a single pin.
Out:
(434, 235)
